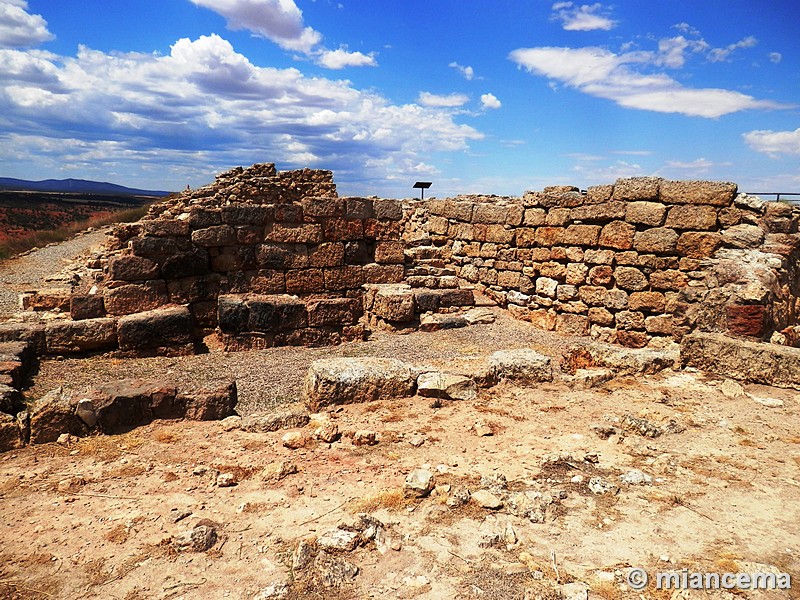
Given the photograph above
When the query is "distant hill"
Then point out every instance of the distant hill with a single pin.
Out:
(75, 186)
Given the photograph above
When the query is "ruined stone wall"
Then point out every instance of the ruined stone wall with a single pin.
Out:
(272, 258)
(642, 258)
(266, 259)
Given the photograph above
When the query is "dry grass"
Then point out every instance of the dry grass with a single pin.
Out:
(110, 447)
(607, 590)
(165, 437)
(392, 500)
(37, 239)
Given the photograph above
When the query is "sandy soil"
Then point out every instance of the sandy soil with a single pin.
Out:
(96, 518)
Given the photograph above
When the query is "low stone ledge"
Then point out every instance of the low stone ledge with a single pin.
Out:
(155, 329)
(75, 337)
(623, 361)
(746, 360)
(522, 365)
(34, 333)
(349, 380)
(121, 405)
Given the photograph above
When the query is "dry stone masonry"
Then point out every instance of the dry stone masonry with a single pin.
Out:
(628, 262)
(265, 258)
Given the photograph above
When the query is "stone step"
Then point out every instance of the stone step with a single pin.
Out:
(402, 303)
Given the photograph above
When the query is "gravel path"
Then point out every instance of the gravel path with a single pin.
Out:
(32, 270)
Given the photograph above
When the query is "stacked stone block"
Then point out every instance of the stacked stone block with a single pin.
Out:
(253, 232)
(642, 258)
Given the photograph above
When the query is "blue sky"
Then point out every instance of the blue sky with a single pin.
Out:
(478, 96)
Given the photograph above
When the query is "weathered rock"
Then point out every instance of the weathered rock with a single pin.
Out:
(226, 480)
(365, 437)
(743, 236)
(640, 426)
(338, 540)
(210, 402)
(714, 193)
(285, 418)
(418, 484)
(600, 486)
(52, 415)
(636, 477)
(132, 268)
(65, 337)
(436, 322)
(136, 297)
(333, 572)
(521, 365)
(347, 380)
(155, 328)
(327, 432)
(86, 413)
(479, 316)
(445, 385)
(393, 302)
(486, 499)
(10, 435)
(621, 360)
(199, 539)
(745, 360)
(295, 439)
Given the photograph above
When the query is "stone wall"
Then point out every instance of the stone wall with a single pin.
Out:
(264, 258)
(271, 258)
(642, 258)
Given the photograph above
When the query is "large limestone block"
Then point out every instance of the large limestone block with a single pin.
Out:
(155, 328)
(394, 303)
(636, 188)
(745, 360)
(136, 297)
(436, 384)
(52, 415)
(715, 193)
(522, 365)
(132, 268)
(621, 360)
(348, 380)
(64, 337)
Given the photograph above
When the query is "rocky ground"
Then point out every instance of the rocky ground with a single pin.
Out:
(525, 492)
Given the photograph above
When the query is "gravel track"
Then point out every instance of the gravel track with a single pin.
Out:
(33, 269)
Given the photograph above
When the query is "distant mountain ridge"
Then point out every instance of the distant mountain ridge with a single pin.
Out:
(76, 186)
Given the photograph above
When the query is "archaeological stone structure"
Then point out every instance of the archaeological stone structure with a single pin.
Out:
(266, 258)
(261, 258)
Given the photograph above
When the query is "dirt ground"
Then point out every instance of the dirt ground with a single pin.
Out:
(104, 517)
(97, 518)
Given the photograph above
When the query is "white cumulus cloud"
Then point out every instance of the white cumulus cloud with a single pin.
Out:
(341, 58)
(583, 17)
(277, 20)
(601, 73)
(439, 101)
(490, 101)
(774, 142)
(775, 57)
(205, 107)
(281, 22)
(19, 28)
